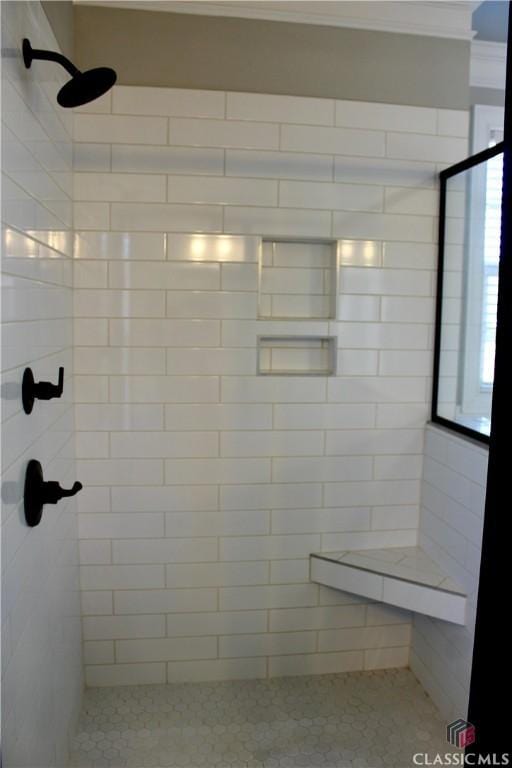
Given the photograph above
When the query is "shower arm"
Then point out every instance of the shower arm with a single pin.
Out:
(29, 54)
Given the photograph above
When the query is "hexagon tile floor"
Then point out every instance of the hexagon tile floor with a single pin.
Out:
(352, 720)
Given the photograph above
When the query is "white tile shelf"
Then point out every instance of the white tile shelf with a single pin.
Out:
(296, 355)
(402, 576)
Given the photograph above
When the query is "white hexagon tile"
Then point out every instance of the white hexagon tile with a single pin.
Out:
(353, 720)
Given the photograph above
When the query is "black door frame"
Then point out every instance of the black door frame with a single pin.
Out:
(491, 677)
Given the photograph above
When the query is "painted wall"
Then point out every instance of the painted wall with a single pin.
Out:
(207, 486)
(195, 51)
(41, 631)
(451, 524)
(60, 15)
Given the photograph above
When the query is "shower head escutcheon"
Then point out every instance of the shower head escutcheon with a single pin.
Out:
(83, 86)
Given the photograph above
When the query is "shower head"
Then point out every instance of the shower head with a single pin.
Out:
(86, 86)
(83, 86)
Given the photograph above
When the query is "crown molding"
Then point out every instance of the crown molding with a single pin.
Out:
(488, 64)
(421, 17)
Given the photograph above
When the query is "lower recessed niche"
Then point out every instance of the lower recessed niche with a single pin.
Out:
(296, 355)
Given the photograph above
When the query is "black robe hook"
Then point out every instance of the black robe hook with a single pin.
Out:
(38, 492)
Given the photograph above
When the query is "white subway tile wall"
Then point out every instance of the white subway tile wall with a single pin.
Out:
(450, 531)
(40, 624)
(207, 485)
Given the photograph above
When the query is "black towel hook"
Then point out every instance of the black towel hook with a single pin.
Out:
(38, 492)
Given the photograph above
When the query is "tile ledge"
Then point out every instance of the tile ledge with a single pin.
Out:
(402, 576)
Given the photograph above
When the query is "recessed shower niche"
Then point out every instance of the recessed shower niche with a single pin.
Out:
(298, 280)
(296, 355)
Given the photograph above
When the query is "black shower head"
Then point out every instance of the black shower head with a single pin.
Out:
(83, 86)
(86, 86)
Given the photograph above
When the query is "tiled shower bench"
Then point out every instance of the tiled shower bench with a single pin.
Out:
(403, 576)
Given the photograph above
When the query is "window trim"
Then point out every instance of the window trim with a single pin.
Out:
(484, 120)
(474, 394)
(446, 174)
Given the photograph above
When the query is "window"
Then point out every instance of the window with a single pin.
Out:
(492, 231)
(488, 132)
(470, 224)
